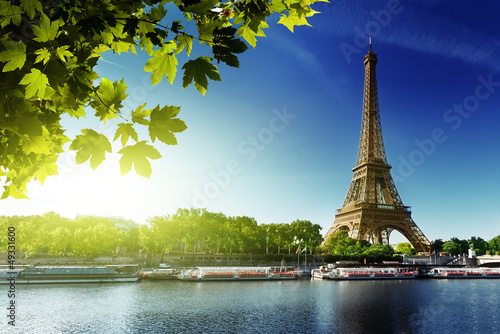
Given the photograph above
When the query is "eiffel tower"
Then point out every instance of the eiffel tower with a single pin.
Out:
(372, 208)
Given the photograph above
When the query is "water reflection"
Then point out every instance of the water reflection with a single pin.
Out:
(261, 307)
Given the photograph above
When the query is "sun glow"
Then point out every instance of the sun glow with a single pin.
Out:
(79, 190)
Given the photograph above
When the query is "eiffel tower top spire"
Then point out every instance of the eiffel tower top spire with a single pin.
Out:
(371, 143)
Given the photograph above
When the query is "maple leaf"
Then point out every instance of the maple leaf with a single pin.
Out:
(163, 124)
(199, 69)
(46, 31)
(43, 54)
(126, 130)
(225, 44)
(48, 168)
(10, 13)
(138, 155)
(110, 98)
(36, 82)
(163, 63)
(248, 34)
(62, 52)
(293, 19)
(14, 56)
(91, 145)
(31, 7)
(139, 114)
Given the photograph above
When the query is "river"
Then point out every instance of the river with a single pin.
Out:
(301, 306)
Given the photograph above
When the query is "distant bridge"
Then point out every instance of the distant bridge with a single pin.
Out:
(488, 261)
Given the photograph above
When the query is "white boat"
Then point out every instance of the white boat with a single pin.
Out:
(464, 273)
(321, 272)
(370, 273)
(65, 274)
(235, 274)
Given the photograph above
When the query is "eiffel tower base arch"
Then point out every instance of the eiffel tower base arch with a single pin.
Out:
(374, 223)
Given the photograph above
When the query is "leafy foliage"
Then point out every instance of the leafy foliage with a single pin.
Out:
(186, 231)
(48, 52)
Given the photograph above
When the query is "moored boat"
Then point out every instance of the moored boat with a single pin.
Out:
(235, 274)
(464, 273)
(65, 274)
(369, 274)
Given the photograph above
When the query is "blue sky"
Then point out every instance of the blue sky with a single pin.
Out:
(277, 139)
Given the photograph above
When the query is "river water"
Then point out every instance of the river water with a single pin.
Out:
(302, 306)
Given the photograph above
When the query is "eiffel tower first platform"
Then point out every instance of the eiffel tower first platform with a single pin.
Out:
(372, 208)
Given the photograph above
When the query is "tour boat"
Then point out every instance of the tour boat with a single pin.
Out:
(65, 274)
(321, 272)
(158, 274)
(236, 274)
(464, 273)
(369, 274)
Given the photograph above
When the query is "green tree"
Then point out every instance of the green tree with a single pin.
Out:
(60, 241)
(451, 247)
(339, 243)
(307, 234)
(463, 245)
(379, 249)
(404, 248)
(100, 236)
(437, 245)
(494, 245)
(131, 240)
(48, 52)
(479, 245)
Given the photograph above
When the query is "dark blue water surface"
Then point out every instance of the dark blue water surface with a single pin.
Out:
(303, 306)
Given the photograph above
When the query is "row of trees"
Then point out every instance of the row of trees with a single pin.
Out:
(340, 243)
(456, 246)
(55, 235)
(200, 231)
(195, 230)
(187, 231)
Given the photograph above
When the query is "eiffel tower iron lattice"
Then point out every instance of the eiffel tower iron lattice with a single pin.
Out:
(372, 208)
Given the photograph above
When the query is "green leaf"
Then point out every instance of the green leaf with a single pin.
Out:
(176, 27)
(163, 125)
(139, 115)
(35, 137)
(62, 52)
(46, 31)
(9, 13)
(65, 101)
(163, 63)
(138, 155)
(184, 41)
(126, 130)
(36, 83)
(248, 34)
(30, 7)
(201, 7)
(110, 96)
(14, 191)
(293, 19)
(199, 69)
(91, 145)
(206, 29)
(43, 54)
(47, 168)
(225, 44)
(277, 6)
(14, 56)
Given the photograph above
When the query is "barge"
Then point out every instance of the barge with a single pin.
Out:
(369, 274)
(65, 274)
(464, 273)
(236, 274)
